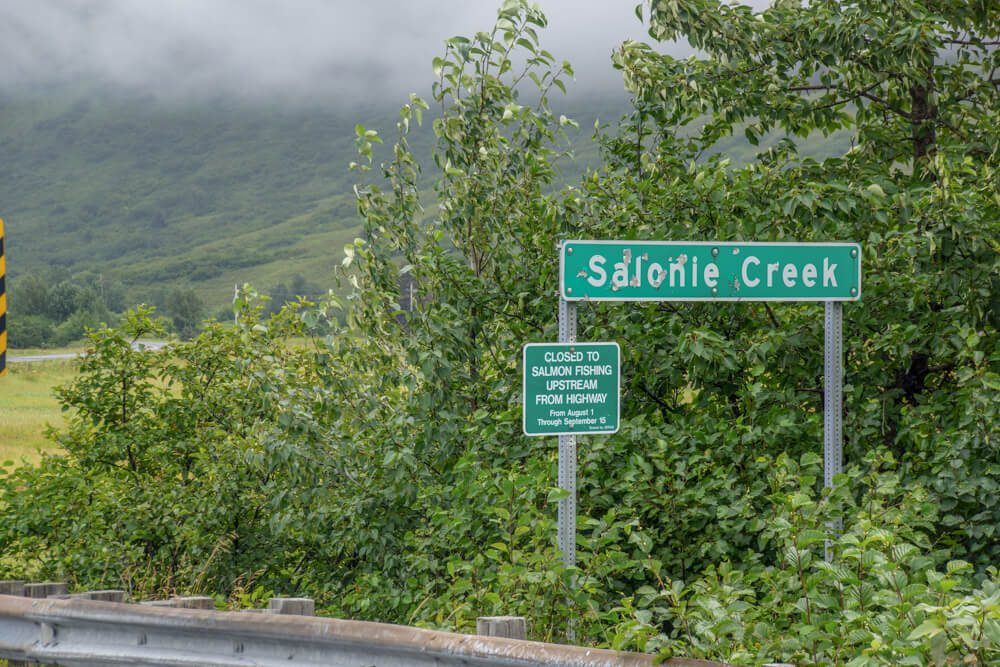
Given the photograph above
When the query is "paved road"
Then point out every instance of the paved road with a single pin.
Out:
(148, 344)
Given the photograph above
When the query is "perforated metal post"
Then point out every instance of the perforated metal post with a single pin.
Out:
(833, 396)
(567, 454)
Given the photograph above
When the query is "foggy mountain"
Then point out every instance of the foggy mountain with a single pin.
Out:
(335, 51)
(203, 143)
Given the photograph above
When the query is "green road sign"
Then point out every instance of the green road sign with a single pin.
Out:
(571, 388)
(706, 271)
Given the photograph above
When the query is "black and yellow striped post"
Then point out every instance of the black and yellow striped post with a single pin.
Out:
(3, 305)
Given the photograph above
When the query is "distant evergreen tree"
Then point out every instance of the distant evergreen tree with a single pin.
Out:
(184, 308)
(29, 296)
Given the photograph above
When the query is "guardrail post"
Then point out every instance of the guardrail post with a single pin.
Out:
(46, 589)
(512, 627)
(108, 595)
(12, 587)
(193, 602)
(292, 606)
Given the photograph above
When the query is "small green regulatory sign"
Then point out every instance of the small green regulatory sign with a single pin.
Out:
(709, 271)
(571, 388)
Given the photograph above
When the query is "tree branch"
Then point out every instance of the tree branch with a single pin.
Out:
(887, 105)
(966, 42)
(770, 313)
(659, 401)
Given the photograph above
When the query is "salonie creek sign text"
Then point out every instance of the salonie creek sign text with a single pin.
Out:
(709, 271)
(571, 388)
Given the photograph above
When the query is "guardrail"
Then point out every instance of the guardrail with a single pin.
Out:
(80, 632)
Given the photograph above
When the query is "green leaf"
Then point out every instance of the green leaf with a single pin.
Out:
(557, 494)
(928, 628)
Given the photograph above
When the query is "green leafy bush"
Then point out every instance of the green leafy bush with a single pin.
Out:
(888, 595)
(29, 331)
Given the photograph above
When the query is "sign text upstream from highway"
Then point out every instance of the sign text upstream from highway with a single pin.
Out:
(571, 388)
(708, 271)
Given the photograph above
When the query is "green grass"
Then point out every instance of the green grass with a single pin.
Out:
(27, 405)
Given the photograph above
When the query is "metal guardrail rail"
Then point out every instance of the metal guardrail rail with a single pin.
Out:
(81, 633)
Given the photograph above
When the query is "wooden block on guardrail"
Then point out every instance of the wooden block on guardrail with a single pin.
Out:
(12, 587)
(46, 589)
(193, 602)
(511, 627)
(109, 595)
(198, 602)
(292, 606)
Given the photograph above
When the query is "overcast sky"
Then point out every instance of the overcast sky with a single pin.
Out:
(280, 48)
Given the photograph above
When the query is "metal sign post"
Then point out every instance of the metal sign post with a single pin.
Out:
(566, 537)
(833, 398)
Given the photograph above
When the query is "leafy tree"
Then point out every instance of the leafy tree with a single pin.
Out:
(714, 393)
(283, 294)
(63, 300)
(29, 296)
(109, 292)
(914, 84)
(29, 330)
(76, 325)
(184, 308)
(186, 469)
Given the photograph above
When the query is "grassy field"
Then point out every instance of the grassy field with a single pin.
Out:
(27, 404)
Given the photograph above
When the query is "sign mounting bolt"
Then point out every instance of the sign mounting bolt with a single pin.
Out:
(854, 291)
(715, 252)
(569, 250)
(569, 290)
(715, 291)
(854, 253)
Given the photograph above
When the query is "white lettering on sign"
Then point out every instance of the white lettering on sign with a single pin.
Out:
(549, 371)
(576, 378)
(553, 357)
(656, 275)
(572, 399)
(747, 280)
(632, 273)
(574, 385)
(712, 275)
(597, 267)
(573, 388)
(682, 270)
(809, 275)
(605, 369)
(586, 398)
(828, 269)
(788, 275)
